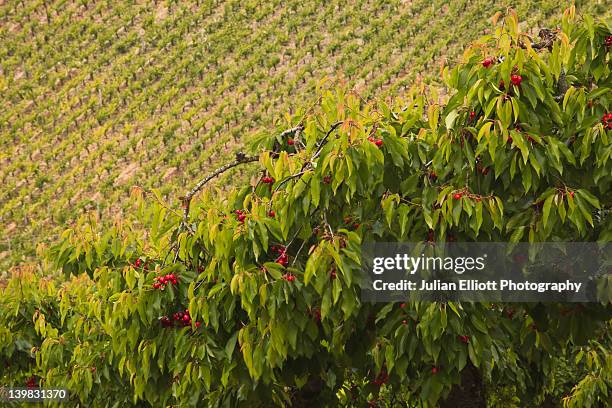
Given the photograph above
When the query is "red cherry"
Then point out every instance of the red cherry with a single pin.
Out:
(137, 263)
(516, 80)
(402, 305)
(571, 193)
(378, 143)
(198, 324)
(509, 140)
(457, 196)
(464, 339)
(433, 176)
(607, 120)
(271, 214)
(434, 370)
(608, 41)
(487, 62)
(31, 382)
(282, 260)
(472, 115)
(290, 142)
(327, 179)
(174, 281)
(267, 180)
(333, 275)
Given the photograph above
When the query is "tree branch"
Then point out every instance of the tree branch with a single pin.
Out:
(241, 158)
(314, 156)
(324, 140)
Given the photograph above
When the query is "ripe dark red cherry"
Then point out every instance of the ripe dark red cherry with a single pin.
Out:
(487, 62)
(457, 196)
(516, 80)
(607, 120)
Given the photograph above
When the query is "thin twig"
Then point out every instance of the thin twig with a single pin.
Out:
(241, 158)
(324, 140)
(308, 164)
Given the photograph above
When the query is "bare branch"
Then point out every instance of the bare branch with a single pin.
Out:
(291, 131)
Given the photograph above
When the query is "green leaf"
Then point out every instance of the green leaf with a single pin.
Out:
(546, 209)
(582, 193)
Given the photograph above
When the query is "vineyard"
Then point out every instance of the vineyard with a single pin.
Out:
(98, 96)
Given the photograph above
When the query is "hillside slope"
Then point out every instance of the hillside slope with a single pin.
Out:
(98, 95)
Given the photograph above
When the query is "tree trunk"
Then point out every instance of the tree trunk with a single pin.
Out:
(469, 394)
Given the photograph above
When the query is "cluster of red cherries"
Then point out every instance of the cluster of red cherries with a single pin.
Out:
(283, 258)
(377, 142)
(289, 277)
(31, 382)
(609, 41)
(515, 79)
(267, 180)
(381, 378)
(139, 263)
(607, 120)
(162, 281)
(179, 319)
(487, 62)
(240, 216)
